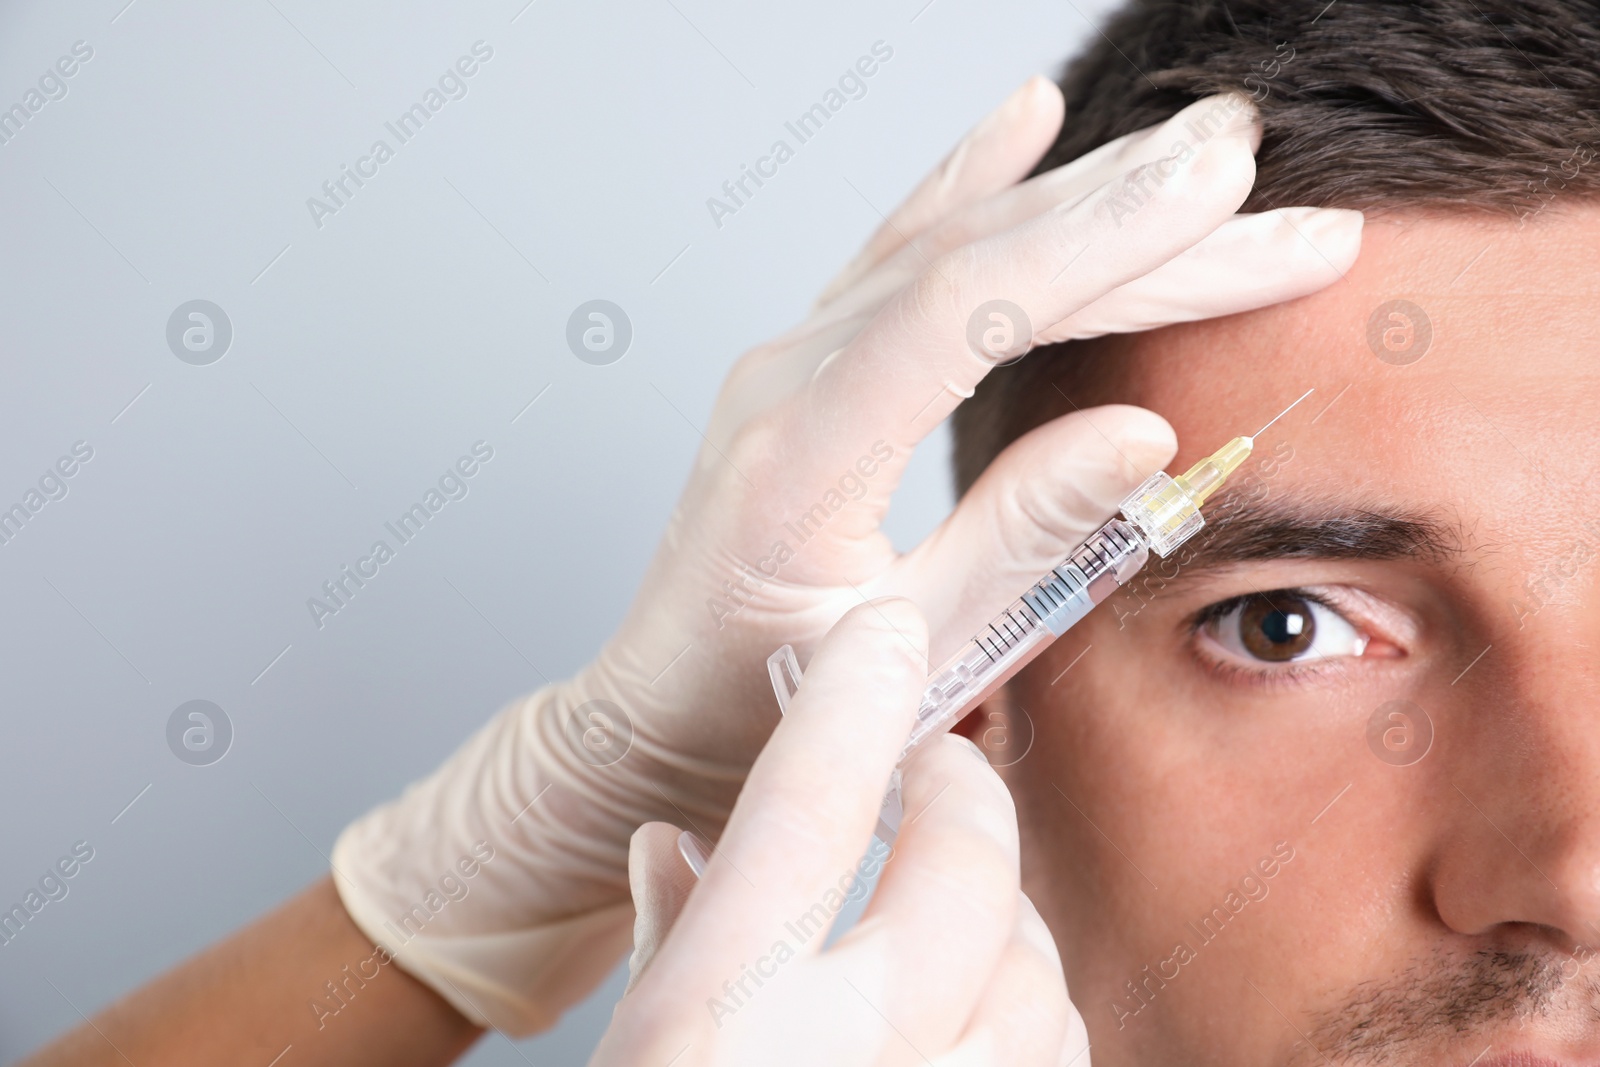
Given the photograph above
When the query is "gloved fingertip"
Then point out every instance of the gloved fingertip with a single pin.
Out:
(1316, 221)
(1347, 216)
(1021, 102)
(1325, 240)
(967, 746)
(1231, 114)
(696, 852)
(1245, 120)
(1040, 94)
(1146, 440)
(898, 621)
(1339, 225)
(1253, 134)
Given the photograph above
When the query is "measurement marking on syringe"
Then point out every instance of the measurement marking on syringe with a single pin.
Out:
(1002, 641)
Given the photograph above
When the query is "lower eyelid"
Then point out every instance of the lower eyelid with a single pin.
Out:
(1289, 674)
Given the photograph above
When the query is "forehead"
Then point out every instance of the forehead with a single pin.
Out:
(1453, 366)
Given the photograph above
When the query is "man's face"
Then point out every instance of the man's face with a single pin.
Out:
(1235, 819)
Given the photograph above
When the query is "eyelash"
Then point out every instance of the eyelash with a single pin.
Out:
(1290, 672)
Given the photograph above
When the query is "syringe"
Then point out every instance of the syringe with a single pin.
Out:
(1159, 516)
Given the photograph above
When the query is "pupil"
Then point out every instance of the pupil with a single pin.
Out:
(1277, 629)
(1280, 627)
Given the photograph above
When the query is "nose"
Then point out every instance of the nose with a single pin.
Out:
(1520, 812)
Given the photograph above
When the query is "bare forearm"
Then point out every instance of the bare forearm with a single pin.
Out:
(301, 977)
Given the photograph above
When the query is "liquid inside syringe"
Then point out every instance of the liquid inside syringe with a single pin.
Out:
(1104, 563)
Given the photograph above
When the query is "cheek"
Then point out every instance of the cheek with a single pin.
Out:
(1099, 800)
(1123, 735)
(1146, 801)
(1137, 814)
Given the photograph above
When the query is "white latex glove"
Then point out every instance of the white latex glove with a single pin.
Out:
(776, 534)
(949, 965)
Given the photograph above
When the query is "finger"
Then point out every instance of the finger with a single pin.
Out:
(1025, 1017)
(1016, 204)
(996, 153)
(1038, 500)
(1249, 262)
(810, 802)
(913, 362)
(945, 907)
(660, 882)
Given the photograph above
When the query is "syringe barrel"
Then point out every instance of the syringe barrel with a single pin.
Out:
(1096, 569)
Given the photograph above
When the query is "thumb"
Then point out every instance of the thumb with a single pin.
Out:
(660, 880)
(1038, 500)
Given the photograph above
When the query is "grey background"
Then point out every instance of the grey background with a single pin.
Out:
(367, 356)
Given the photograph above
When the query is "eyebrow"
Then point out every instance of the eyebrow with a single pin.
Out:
(1240, 531)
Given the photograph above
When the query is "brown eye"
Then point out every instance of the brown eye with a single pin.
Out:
(1279, 628)
(1276, 628)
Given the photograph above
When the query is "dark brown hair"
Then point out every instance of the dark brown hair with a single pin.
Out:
(1451, 105)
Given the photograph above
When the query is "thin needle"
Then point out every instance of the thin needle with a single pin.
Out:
(1281, 414)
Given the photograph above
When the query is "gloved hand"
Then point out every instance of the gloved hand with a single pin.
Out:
(776, 533)
(950, 964)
